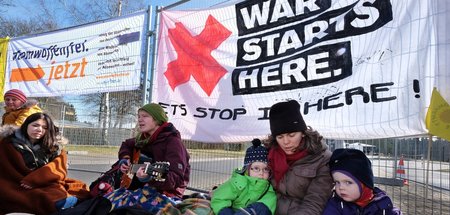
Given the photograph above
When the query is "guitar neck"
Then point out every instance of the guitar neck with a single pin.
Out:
(135, 167)
(157, 171)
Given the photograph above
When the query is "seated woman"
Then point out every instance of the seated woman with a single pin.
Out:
(157, 141)
(299, 160)
(18, 107)
(33, 170)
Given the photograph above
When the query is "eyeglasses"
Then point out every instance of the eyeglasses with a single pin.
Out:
(258, 170)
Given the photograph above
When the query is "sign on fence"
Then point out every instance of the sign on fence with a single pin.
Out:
(98, 57)
(360, 69)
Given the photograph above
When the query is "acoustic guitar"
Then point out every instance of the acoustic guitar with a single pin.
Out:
(157, 171)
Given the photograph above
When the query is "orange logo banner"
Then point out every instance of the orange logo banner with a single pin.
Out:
(27, 74)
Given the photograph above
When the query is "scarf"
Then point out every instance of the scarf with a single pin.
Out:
(279, 161)
(143, 139)
(366, 196)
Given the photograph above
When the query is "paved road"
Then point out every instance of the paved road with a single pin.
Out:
(438, 174)
(206, 173)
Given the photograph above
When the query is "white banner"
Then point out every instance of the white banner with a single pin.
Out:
(98, 57)
(361, 69)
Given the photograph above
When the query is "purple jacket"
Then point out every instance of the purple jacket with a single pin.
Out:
(381, 204)
(166, 147)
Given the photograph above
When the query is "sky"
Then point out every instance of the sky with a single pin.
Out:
(22, 8)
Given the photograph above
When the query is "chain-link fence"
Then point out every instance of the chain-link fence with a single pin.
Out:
(96, 125)
(95, 119)
(423, 186)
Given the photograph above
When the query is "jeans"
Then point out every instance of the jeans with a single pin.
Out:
(256, 208)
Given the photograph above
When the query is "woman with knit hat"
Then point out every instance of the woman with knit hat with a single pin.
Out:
(299, 162)
(157, 140)
(18, 107)
(354, 191)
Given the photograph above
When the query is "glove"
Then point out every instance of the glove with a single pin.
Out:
(124, 165)
(124, 161)
(256, 208)
(66, 203)
(226, 211)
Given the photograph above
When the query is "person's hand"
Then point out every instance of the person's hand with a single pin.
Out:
(124, 165)
(26, 186)
(254, 209)
(141, 173)
(226, 211)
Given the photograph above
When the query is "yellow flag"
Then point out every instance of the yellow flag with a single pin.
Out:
(438, 116)
(3, 50)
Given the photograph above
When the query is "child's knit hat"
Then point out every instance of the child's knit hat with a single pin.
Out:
(353, 163)
(156, 111)
(18, 94)
(255, 153)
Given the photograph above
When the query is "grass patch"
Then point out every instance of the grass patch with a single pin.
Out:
(215, 152)
(113, 150)
(93, 149)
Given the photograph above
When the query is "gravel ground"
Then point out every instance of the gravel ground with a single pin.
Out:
(412, 199)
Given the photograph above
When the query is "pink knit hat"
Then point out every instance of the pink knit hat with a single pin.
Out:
(18, 94)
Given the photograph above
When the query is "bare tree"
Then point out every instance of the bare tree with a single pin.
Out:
(5, 3)
(18, 27)
(51, 15)
(122, 104)
(91, 11)
(47, 15)
(58, 108)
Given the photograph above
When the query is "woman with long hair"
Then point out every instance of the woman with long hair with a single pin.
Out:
(33, 171)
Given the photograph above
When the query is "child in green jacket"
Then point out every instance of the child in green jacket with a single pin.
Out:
(248, 191)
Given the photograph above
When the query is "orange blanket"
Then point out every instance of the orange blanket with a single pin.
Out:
(50, 183)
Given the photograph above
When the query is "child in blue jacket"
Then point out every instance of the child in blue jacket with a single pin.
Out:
(354, 191)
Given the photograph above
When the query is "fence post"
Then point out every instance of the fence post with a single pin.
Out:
(430, 143)
(63, 117)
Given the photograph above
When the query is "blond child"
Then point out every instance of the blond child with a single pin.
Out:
(354, 191)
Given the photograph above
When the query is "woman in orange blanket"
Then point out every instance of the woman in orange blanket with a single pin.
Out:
(33, 169)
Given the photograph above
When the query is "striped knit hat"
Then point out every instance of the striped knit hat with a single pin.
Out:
(255, 153)
(15, 93)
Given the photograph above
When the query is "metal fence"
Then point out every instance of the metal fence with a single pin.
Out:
(415, 175)
(423, 188)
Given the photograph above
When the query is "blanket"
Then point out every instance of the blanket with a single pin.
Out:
(49, 183)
